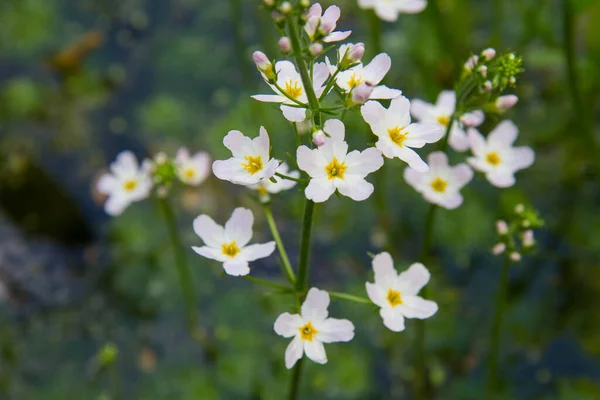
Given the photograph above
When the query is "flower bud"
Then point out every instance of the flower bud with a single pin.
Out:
(277, 17)
(519, 209)
(528, 240)
(304, 3)
(264, 65)
(269, 3)
(498, 249)
(483, 70)
(471, 62)
(361, 93)
(285, 7)
(162, 191)
(501, 227)
(319, 138)
(285, 44)
(354, 53)
(526, 223)
(315, 49)
(472, 119)
(512, 80)
(506, 102)
(160, 158)
(488, 53)
(515, 257)
(488, 85)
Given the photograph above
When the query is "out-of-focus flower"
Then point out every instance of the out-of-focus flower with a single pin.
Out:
(506, 102)
(388, 10)
(332, 168)
(321, 27)
(267, 186)
(362, 93)
(285, 7)
(126, 183)
(288, 79)
(496, 157)
(285, 44)
(348, 55)
(250, 162)
(498, 249)
(528, 239)
(515, 257)
(501, 227)
(488, 53)
(311, 328)
(472, 119)
(229, 244)
(192, 170)
(396, 294)
(442, 183)
(397, 135)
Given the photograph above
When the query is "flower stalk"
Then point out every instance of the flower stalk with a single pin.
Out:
(287, 267)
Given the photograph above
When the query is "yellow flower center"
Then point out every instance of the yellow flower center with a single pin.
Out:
(253, 164)
(293, 89)
(443, 120)
(493, 158)
(129, 185)
(262, 190)
(439, 185)
(230, 249)
(354, 81)
(189, 173)
(394, 298)
(336, 170)
(397, 135)
(307, 332)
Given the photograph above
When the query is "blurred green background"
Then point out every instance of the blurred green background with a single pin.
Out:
(83, 80)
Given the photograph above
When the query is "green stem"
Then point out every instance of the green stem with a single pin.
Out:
(295, 385)
(185, 278)
(302, 280)
(290, 178)
(492, 378)
(287, 267)
(350, 297)
(375, 33)
(269, 284)
(329, 84)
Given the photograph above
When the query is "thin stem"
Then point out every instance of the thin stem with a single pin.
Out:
(287, 267)
(290, 178)
(329, 84)
(185, 278)
(269, 283)
(302, 280)
(350, 297)
(492, 378)
(295, 386)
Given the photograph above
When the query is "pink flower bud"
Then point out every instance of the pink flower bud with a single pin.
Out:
(488, 53)
(501, 227)
(528, 240)
(285, 44)
(488, 85)
(506, 102)
(264, 65)
(315, 49)
(498, 249)
(319, 138)
(361, 93)
(515, 257)
(471, 62)
(356, 52)
(473, 118)
(483, 71)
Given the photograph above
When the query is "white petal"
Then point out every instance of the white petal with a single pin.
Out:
(285, 70)
(315, 10)
(387, 147)
(392, 319)
(211, 253)
(236, 267)
(414, 178)
(427, 132)
(319, 189)
(107, 184)
(385, 273)
(232, 170)
(293, 352)
(287, 324)
(447, 101)
(375, 71)
(374, 114)
(311, 161)
(504, 135)
(211, 233)
(437, 160)
(411, 158)
(412, 6)
(450, 200)
(417, 307)
(269, 98)
(366, 3)
(260, 144)
(257, 251)
(376, 294)
(355, 187)
(386, 11)
(239, 226)
(238, 144)
(335, 129)
(334, 330)
(293, 114)
(116, 204)
(320, 74)
(458, 139)
(501, 178)
(421, 110)
(462, 174)
(315, 351)
(383, 92)
(315, 305)
(400, 111)
(476, 141)
(334, 148)
(411, 281)
(125, 164)
(336, 36)
(365, 162)
(522, 157)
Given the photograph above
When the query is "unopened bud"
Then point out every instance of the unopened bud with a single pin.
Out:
(488, 53)
(528, 240)
(506, 102)
(488, 85)
(471, 62)
(354, 53)
(319, 138)
(285, 7)
(277, 17)
(483, 71)
(264, 65)
(361, 93)
(304, 3)
(162, 191)
(526, 224)
(269, 3)
(285, 44)
(512, 80)
(501, 227)
(519, 209)
(160, 158)
(515, 257)
(315, 49)
(498, 249)
(472, 119)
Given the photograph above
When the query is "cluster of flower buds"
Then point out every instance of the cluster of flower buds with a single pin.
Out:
(516, 236)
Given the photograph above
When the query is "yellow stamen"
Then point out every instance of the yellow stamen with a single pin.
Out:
(443, 120)
(394, 298)
(397, 135)
(262, 190)
(293, 89)
(129, 185)
(230, 249)
(439, 185)
(493, 158)
(336, 170)
(354, 81)
(189, 173)
(253, 165)
(307, 332)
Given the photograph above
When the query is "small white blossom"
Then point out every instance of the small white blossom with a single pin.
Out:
(396, 294)
(496, 157)
(501, 227)
(498, 249)
(322, 26)
(528, 239)
(515, 257)
(397, 135)
(229, 244)
(506, 102)
(442, 183)
(488, 53)
(332, 168)
(372, 73)
(290, 82)
(388, 10)
(192, 170)
(250, 162)
(311, 328)
(126, 183)
(441, 113)
(267, 186)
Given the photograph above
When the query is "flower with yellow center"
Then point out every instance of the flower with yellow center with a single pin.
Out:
(443, 120)
(253, 164)
(311, 329)
(130, 185)
(293, 88)
(396, 294)
(493, 158)
(335, 169)
(397, 135)
(355, 80)
(439, 185)
(230, 249)
(192, 169)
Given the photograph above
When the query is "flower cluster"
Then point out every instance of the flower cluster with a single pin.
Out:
(516, 236)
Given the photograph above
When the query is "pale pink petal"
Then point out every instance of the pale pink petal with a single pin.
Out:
(437, 159)
(476, 141)
(386, 11)
(269, 98)
(232, 170)
(411, 158)
(382, 92)
(427, 132)
(375, 71)
(414, 178)
(320, 74)
(293, 352)
(412, 6)
(311, 161)
(462, 175)
(447, 101)
(293, 114)
(315, 10)
(501, 178)
(107, 184)
(334, 330)
(383, 266)
(238, 144)
(421, 110)
(387, 147)
(450, 201)
(458, 139)
(211, 253)
(504, 135)
(336, 36)
(335, 129)
(374, 114)
(116, 204)
(315, 305)
(521, 158)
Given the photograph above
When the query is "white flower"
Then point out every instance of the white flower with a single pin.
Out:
(397, 136)
(266, 186)
(228, 244)
(331, 167)
(126, 183)
(311, 329)
(388, 10)
(250, 162)
(496, 157)
(290, 82)
(321, 27)
(372, 73)
(442, 183)
(192, 170)
(396, 294)
(441, 112)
